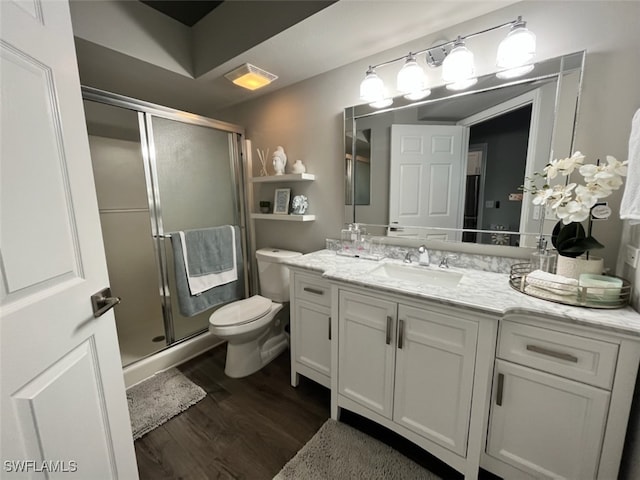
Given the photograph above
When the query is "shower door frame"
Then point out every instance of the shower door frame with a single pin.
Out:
(146, 111)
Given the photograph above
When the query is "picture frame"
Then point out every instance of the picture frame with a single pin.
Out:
(281, 201)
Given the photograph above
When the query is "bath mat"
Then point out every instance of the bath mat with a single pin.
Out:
(338, 451)
(159, 398)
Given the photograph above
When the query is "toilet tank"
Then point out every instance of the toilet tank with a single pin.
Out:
(273, 273)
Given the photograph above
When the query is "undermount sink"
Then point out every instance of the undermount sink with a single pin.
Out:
(443, 278)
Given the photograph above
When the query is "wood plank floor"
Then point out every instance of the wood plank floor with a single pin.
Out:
(250, 428)
(243, 429)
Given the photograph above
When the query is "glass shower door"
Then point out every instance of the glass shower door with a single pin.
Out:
(195, 187)
(118, 167)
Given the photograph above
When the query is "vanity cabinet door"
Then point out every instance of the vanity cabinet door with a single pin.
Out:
(546, 425)
(310, 328)
(312, 337)
(366, 351)
(434, 375)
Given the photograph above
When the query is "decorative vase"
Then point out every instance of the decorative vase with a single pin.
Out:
(298, 167)
(573, 267)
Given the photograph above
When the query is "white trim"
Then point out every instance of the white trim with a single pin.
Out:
(169, 357)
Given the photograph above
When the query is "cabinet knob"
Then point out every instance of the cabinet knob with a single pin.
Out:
(389, 322)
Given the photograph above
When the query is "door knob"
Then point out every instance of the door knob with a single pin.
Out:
(103, 301)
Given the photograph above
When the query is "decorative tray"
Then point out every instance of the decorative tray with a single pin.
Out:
(578, 295)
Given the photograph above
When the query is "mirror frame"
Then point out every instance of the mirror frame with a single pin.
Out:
(546, 69)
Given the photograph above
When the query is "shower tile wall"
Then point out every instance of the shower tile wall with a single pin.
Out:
(126, 229)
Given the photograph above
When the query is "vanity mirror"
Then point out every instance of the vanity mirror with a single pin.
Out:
(450, 167)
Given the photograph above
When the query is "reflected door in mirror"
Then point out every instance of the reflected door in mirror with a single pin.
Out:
(426, 187)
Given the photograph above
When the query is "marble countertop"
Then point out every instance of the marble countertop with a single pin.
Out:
(481, 291)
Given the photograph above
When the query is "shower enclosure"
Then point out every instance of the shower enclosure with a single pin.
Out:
(158, 171)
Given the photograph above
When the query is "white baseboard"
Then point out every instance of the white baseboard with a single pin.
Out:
(169, 357)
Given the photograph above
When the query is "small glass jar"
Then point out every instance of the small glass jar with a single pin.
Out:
(544, 260)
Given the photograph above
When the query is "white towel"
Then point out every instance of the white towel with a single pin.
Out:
(630, 206)
(202, 283)
(547, 295)
(552, 283)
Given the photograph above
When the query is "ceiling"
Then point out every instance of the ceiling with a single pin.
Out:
(299, 40)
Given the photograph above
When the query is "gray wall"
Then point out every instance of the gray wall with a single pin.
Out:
(306, 118)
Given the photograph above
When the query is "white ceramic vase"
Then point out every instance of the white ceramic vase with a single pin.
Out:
(574, 267)
(298, 167)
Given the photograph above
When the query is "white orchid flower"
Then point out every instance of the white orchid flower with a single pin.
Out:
(541, 196)
(593, 173)
(610, 184)
(573, 203)
(565, 166)
(552, 169)
(588, 196)
(571, 163)
(573, 211)
(615, 166)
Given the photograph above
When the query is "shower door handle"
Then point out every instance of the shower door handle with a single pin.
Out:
(103, 301)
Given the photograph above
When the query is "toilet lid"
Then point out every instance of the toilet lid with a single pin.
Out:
(242, 311)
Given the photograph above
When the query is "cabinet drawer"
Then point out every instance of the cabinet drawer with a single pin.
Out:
(583, 359)
(313, 289)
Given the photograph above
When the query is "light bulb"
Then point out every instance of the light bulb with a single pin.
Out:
(518, 48)
(459, 64)
(372, 87)
(411, 76)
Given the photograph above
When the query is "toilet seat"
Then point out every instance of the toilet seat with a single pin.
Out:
(241, 312)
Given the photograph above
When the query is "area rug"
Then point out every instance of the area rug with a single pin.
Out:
(338, 451)
(159, 398)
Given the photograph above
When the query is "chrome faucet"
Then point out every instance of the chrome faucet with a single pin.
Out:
(444, 262)
(421, 254)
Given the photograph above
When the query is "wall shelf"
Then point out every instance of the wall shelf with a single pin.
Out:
(286, 218)
(289, 177)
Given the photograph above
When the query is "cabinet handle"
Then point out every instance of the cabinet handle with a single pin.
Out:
(329, 328)
(389, 321)
(400, 332)
(500, 389)
(552, 353)
(313, 290)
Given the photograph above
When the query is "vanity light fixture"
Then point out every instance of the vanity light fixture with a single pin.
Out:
(411, 80)
(250, 77)
(372, 87)
(458, 68)
(514, 58)
(517, 50)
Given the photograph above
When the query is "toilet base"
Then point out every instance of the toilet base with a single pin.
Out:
(245, 358)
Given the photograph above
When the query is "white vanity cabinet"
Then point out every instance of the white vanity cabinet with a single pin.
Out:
(310, 328)
(411, 364)
(552, 413)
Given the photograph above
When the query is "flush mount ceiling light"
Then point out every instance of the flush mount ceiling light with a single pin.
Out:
(514, 59)
(250, 77)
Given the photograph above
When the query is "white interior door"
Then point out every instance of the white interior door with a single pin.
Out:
(427, 177)
(62, 392)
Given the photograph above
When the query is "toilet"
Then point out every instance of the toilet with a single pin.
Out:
(252, 327)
